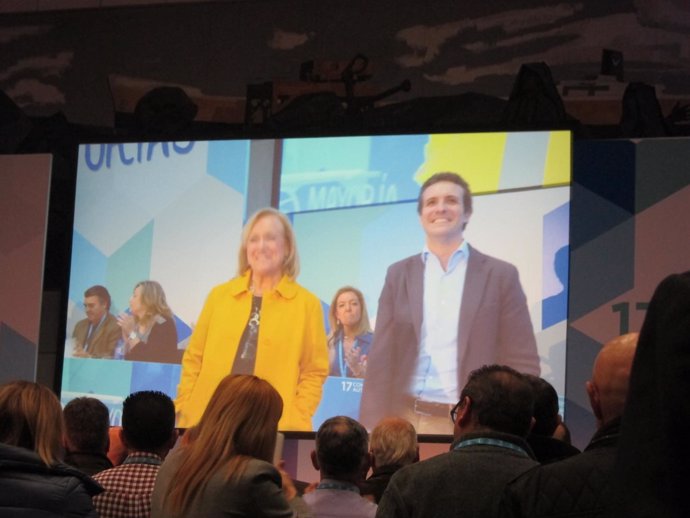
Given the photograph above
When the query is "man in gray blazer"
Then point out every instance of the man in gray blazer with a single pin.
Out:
(442, 314)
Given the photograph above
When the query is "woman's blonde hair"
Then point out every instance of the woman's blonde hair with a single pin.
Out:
(31, 418)
(363, 326)
(154, 301)
(291, 262)
(240, 423)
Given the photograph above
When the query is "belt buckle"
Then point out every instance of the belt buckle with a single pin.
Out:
(418, 410)
(430, 408)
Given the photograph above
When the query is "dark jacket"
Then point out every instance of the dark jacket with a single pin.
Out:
(580, 486)
(549, 449)
(377, 483)
(89, 463)
(467, 481)
(29, 488)
(653, 467)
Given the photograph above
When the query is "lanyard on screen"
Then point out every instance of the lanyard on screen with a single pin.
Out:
(341, 356)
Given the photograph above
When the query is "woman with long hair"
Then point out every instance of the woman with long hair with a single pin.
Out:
(350, 338)
(34, 480)
(260, 322)
(225, 469)
(149, 331)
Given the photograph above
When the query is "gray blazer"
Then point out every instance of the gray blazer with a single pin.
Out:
(257, 493)
(494, 327)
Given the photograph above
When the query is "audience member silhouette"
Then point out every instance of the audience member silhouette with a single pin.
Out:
(224, 468)
(33, 481)
(87, 421)
(148, 432)
(653, 465)
(545, 446)
(342, 458)
(582, 485)
(393, 444)
(491, 421)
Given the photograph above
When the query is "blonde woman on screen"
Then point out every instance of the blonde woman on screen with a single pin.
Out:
(350, 338)
(149, 330)
(261, 322)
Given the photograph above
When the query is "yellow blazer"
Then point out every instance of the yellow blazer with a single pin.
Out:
(291, 352)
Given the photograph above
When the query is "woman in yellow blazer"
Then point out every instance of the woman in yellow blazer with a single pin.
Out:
(263, 323)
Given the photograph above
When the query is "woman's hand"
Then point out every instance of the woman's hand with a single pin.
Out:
(126, 323)
(356, 363)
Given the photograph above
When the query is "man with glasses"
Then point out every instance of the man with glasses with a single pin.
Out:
(96, 336)
(491, 420)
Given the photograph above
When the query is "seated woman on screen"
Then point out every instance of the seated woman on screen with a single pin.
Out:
(149, 330)
(350, 338)
(225, 469)
(261, 322)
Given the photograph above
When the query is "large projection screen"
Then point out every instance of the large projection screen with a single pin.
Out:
(173, 212)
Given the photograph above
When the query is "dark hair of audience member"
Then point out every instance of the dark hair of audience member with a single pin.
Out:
(501, 398)
(239, 423)
(148, 420)
(341, 446)
(545, 406)
(31, 418)
(562, 433)
(87, 421)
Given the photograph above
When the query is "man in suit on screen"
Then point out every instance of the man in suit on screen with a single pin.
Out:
(442, 314)
(96, 336)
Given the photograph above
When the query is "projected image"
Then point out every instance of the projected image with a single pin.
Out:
(155, 227)
(508, 298)
(158, 228)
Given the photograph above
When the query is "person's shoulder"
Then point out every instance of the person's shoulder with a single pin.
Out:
(72, 479)
(261, 468)
(424, 469)
(478, 257)
(405, 262)
(291, 289)
(84, 322)
(256, 472)
(230, 287)
(365, 338)
(402, 268)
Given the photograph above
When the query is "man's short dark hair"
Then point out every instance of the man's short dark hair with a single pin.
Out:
(447, 177)
(87, 422)
(545, 406)
(101, 292)
(148, 420)
(341, 447)
(501, 398)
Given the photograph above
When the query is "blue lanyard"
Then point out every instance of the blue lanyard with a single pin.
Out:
(491, 442)
(335, 484)
(341, 357)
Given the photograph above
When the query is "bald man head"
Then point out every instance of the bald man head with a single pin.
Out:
(608, 387)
